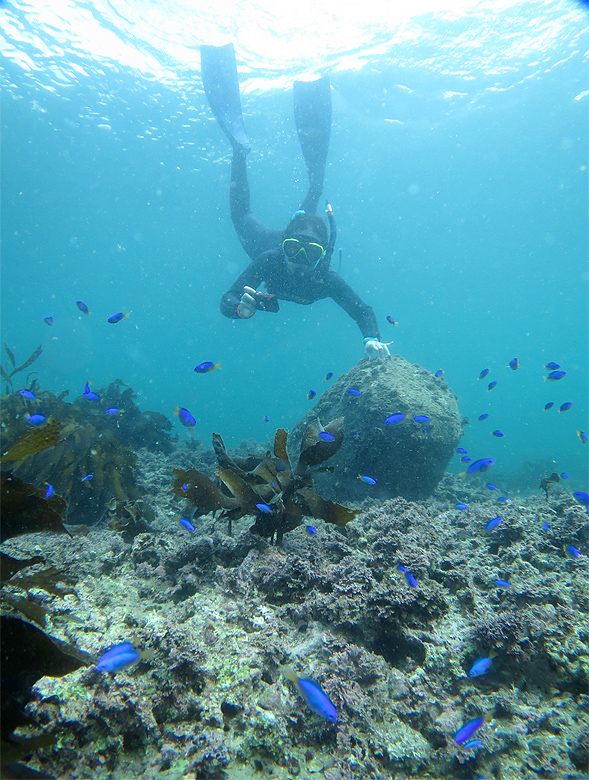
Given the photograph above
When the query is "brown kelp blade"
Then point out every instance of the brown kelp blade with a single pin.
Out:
(280, 440)
(25, 509)
(200, 490)
(9, 566)
(10, 354)
(30, 360)
(315, 450)
(33, 441)
(223, 459)
(328, 510)
(245, 495)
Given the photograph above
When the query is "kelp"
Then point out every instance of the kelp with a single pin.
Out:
(246, 484)
(25, 509)
(33, 441)
(87, 441)
(7, 374)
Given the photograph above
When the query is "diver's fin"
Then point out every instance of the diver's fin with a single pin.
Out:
(219, 78)
(312, 111)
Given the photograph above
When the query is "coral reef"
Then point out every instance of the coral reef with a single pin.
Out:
(222, 615)
(406, 459)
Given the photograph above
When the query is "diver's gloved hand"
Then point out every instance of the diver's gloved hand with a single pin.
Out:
(375, 349)
(247, 306)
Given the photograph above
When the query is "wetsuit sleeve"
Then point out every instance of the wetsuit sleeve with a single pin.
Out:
(344, 296)
(253, 276)
(253, 236)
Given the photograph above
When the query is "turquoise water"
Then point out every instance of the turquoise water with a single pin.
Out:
(457, 172)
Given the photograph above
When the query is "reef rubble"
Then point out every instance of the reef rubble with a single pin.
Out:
(221, 615)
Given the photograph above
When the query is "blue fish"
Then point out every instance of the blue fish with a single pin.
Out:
(479, 466)
(484, 373)
(316, 698)
(117, 317)
(49, 492)
(502, 584)
(82, 307)
(207, 367)
(394, 419)
(491, 385)
(514, 364)
(548, 406)
(368, 480)
(554, 376)
(582, 498)
(565, 406)
(112, 410)
(552, 366)
(482, 417)
(497, 433)
(266, 418)
(465, 459)
(545, 526)
(36, 419)
(462, 451)
(185, 417)
(472, 743)
(421, 418)
(492, 524)
(491, 487)
(27, 394)
(353, 391)
(482, 666)
(564, 475)
(391, 320)
(184, 486)
(503, 498)
(439, 373)
(311, 394)
(583, 436)
(311, 530)
(185, 523)
(118, 658)
(408, 576)
(571, 551)
(326, 436)
(48, 320)
(264, 508)
(328, 376)
(460, 506)
(89, 394)
(465, 732)
(87, 477)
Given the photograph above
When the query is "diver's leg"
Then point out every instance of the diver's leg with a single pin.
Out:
(312, 110)
(221, 85)
(253, 236)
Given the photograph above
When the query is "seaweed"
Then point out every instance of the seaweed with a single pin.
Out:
(25, 509)
(7, 374)
(33, 441)
(85, 441)
(129, 518)
(269, 488)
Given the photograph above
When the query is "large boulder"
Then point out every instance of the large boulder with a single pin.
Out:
(406, 459)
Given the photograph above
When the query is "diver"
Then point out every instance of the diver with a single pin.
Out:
(294, 264)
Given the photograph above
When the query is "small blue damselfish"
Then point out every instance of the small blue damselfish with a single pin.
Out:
(316, 698)
(118, 658)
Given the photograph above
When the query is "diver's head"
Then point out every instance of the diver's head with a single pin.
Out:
(305, 244)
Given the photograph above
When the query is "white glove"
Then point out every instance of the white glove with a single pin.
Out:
(247, 305)
(376, 349)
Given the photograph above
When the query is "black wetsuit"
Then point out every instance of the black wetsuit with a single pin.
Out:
(254, 237)
(270, 267)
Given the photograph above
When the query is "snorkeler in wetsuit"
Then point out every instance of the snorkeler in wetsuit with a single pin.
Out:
(294, 264)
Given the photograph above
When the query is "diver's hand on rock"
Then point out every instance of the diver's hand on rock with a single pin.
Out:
(247, 305)
(375, 349)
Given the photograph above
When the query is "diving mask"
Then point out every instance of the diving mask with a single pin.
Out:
(311, 251)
